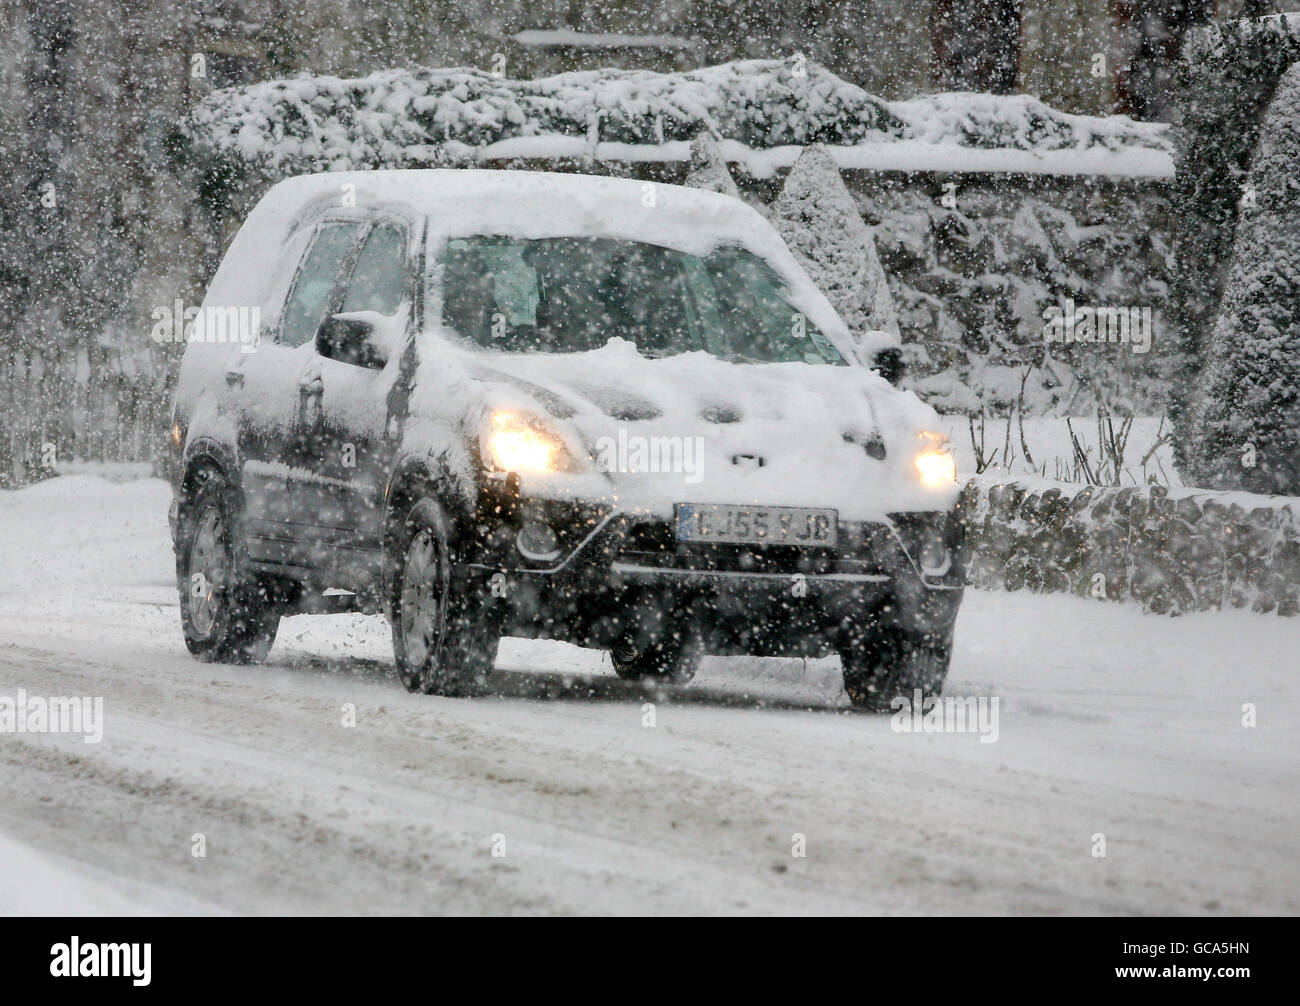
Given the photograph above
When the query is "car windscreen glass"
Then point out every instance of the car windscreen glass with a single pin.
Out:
(567, 295)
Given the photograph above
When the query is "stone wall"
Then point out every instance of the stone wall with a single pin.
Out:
(1169, 553)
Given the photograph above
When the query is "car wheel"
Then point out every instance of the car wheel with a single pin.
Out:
(442, 641)
(227, 613)
(673, 661)
(890, 664)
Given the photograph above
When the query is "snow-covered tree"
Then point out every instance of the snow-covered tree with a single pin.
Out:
(708, 170)
(818, 218)
(1148, 36)
(1248, 410)
(1228, 74)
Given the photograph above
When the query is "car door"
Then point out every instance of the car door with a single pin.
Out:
(351, 437)
(271, 393)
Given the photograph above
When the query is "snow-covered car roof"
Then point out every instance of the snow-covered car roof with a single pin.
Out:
(526, 204)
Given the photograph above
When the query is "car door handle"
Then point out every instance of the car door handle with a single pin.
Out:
(235, 377)
(312, 388)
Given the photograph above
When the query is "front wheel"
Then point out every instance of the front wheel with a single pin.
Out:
(442, 641)
(891, 664)
(228, 614)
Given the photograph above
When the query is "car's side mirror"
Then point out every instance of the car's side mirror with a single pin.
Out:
(350, 339)
(888, 363)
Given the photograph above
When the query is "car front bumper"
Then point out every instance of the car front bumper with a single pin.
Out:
(625, 573)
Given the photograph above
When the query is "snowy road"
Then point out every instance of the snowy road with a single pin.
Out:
(1111, 722)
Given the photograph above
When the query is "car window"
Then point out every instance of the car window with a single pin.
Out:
(308, 302)
(565, 294)
(568, 295)
(379, 277)
(756, 322)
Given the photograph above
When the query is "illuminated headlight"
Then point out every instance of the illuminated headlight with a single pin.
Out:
(518, 443)
(935, 463)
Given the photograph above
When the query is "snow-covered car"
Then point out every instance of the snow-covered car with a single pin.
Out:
(494, 403)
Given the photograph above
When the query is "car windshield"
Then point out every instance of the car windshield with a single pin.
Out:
(568, 295)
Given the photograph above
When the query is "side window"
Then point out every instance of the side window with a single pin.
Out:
(379, 277)
(306, 307)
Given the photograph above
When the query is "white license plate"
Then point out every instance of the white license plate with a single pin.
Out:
(756, 525)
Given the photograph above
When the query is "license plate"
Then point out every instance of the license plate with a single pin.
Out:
(756, 525)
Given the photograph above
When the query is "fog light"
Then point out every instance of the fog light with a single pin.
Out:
(935, 560)
(537, 542)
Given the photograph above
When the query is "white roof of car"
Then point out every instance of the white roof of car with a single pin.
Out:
(537, 203)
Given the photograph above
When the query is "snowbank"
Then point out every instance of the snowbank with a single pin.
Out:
(999, 444)
(37, 883)
(113, 539)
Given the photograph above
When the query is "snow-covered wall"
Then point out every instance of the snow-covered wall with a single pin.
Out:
(1170, 551)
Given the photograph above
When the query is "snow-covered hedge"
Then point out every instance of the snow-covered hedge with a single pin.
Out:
(971, 284)
(422, 117)
(1169, 551)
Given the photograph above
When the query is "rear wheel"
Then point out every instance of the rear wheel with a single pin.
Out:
(228, 614)
(442, 641)
(890, 664)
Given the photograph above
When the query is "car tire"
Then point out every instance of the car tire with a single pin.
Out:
(228, 614)
(673, 661)
(442, 640)
(892, 664)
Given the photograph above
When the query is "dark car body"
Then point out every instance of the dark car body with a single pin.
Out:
(417, 336)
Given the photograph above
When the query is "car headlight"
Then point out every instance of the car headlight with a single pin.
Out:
(514, 442)
(935, 463)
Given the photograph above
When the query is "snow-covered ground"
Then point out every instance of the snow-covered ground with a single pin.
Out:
(1111, 723)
